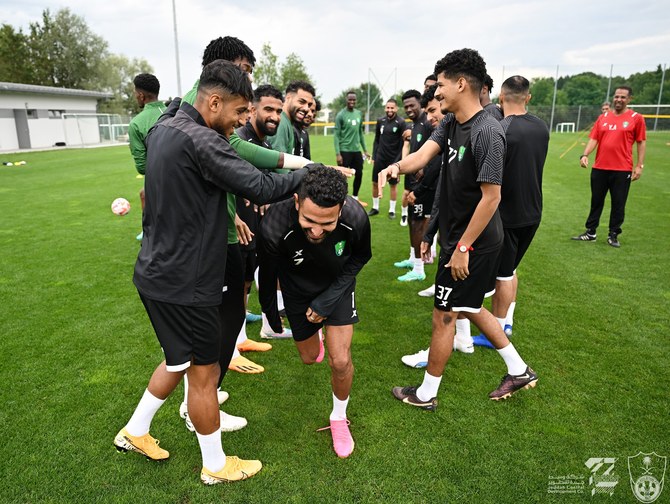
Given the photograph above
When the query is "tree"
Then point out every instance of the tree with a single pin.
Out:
(117, 74)
(64, 52)
(266, 70)
(361, 91)
(14, 56)
(584, 89)
(269, 70)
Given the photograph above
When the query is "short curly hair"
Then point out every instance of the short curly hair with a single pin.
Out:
(229, 49)
(294, 86)
(325, 186)
(147, 83)
(466, 63)
(412, 93)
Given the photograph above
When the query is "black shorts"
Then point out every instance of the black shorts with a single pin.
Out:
(466, 295)
(378, 167)
(425, 204)
(517, 241)
(345, 313)
(352, 160)
(186, 333)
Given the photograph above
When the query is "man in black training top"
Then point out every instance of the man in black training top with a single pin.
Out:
(471, 234)
(180, 269)
(520, 207)
(316, 244)
(387, 149)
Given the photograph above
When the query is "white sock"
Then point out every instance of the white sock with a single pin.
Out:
(501, 321)
(242, 337)
(280, 301)
(463, 328)
(339, 409)
(266, 324)
(429, 387)
(256, 278)
(509, 319)
(404, 211)
(392, 206)
(418, 266)
(185, 389)
(355, 197)
(140, 423)
(411, 254)
(515, 364)
(375, 203)
(213, 457)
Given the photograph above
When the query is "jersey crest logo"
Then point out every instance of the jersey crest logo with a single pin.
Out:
(625, 124)
(395, 128)
(339, 248)
(461, 153)
(419, 136)
(297, 259)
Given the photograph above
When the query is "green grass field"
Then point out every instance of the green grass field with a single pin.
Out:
(78, 350)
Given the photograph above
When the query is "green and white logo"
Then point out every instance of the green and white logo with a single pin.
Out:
(419, 136)
(625, 124)
(395, 128)
(461, 153)
(339, 248)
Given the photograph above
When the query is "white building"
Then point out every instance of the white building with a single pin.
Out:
(42, 116)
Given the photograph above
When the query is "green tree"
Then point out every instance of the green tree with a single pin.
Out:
(584, 89)
(117, 74)
(293, 69)
(542, 90)
(361, 91)
(14, 56)
(64, 52)
(266, 70)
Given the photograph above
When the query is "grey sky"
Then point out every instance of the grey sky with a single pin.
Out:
(341, 41)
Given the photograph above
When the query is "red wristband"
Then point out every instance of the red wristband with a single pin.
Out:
(459, 245)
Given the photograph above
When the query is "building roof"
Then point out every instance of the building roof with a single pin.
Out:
(13, 87)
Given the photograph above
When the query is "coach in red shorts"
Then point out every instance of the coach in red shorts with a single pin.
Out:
(614, 133)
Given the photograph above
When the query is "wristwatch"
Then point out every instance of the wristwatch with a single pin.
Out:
(463, 248)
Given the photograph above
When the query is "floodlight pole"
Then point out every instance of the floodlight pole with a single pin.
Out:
(367, 112)
(553, 103)
(176, 46)
(609, 84)
(660, 93)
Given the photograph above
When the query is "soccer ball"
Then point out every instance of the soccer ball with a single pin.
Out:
(120, 206)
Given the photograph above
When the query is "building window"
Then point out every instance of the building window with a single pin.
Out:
(32, 113)
(56, 114)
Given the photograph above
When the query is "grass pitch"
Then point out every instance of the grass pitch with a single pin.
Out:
(78, 351)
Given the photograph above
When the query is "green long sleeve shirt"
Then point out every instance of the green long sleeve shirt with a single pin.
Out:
(349, 131)
(137, 132)
(254, 154)
(284, 139)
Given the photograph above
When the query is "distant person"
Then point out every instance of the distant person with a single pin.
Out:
(316, 244)
(614, 133)
(387, 149)
(485, 99)
(180, 268)
(520, 206)
(147, 88)
(350, 140)
(429, 81)
(605, 107)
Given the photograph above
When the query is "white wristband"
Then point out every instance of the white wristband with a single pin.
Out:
(294, 162)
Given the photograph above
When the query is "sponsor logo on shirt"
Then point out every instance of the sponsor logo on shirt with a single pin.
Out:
(354, 122)
(461, 153)
(381, 130)
(339, 248)
(297, 259)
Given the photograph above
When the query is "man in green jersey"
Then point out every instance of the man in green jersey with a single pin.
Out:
(147, 88)
(349, 141)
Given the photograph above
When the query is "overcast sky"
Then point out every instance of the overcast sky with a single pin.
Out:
(342, 42)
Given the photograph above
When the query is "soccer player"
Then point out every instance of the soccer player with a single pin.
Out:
(147, 88)
(473, 147)
(520, 208)
(315, 245)
(299, 99)
(485, 99)
(349, 140)
(419, 210)
(387, 149)
(429, 81)
(614, 133)
(181, 266)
